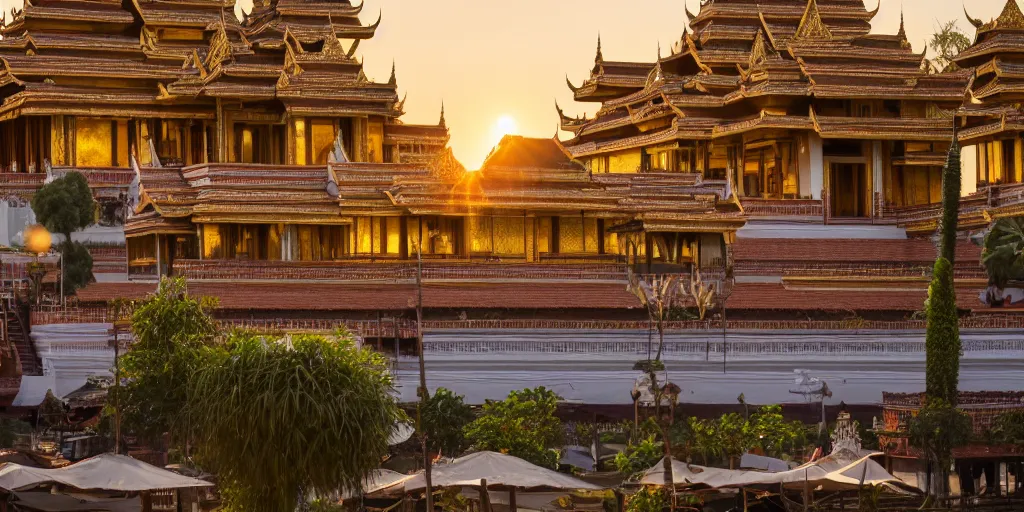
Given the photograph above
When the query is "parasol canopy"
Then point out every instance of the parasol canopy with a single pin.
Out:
(499, 470)
(106, 472)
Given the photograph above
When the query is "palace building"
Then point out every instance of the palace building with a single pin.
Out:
(780, 159)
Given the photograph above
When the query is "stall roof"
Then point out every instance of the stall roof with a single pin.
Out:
(499, 470)
(107, 472)
(841, 470)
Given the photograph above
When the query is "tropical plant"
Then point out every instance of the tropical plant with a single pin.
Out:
(64, 206)
(936, 430)
(281, 419)
(947, 42)
(704, 439)
(523, 425)
(639, 457)
(445, 417)
(1009, 428)
(648, 499)
(775, 435)
(1003, 255)
(734, 437)
(170, 328)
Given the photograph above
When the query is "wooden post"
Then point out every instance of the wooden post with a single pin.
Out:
(745, 502)
(485, 499)
(147, 501)
(620, 501)
(512, 506)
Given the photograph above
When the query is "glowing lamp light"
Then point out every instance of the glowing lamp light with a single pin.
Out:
(38, 239)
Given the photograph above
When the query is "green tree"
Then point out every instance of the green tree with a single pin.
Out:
(444, 419)
(64, 206)
(10, 429)
(1009, 428)
(735, 438)
(947, 42)
(648, 499)
(704, 439)
(170, 329)
(523, 425)
(936, 430)
(942, 341)
(1003, 255)
(280, 419)
(639, 457)
(774, 434)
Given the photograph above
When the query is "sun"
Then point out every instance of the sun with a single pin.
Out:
(505, 125)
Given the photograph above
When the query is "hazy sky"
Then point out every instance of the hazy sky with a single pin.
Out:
(488, 59)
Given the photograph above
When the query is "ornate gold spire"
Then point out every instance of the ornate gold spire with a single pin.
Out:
(599, 57)
(811, 24)
(394, 77)
(1011, 17)
(902, 34)
(442, 122)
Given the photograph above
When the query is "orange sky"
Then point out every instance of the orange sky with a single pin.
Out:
(487, 59)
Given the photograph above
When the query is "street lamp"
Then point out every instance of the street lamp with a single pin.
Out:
(38, 242)
(422, 391)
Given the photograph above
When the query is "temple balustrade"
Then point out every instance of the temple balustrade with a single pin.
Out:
(838, 270)
(395, 271)
(709, 347)
(767, 208)
(387, 327)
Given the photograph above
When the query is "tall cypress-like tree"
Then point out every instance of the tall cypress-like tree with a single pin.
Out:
(942, 342)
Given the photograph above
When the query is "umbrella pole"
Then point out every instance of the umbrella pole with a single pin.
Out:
(512, 506)
(745, 505)
(485, 498)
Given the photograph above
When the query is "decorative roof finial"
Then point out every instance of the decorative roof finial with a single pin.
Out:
(811, 24)
(442, 122)
(394, 77)
(902, 34)
(599, 57)
(659, 50)
(1011, 17)
(974, 21)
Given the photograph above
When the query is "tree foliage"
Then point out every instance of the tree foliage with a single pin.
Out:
(523, 425)
(942, 341)
(170, 328)
(445, 417)
(951, 186)
(947, 42)
(639, 457)
(774, 434)
(1009, 428)
(77, 268)
(276, 420)
(937, 429)
(1004, 251)
(648, 499)
(65, 205)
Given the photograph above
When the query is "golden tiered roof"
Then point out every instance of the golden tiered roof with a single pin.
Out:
(50, 65)
(748, 65)
(997, 89)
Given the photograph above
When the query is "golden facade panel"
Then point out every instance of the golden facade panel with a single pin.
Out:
(570, 235)
(94, 140)
(509, 236)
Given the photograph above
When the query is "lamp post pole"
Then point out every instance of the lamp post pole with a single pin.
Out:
(422, 391)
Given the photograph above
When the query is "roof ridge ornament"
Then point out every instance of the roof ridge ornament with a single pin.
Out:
(352, 50)
(441, 122)
(811, 24)
(875, 12)
(974, 21)
(394, 77)
(599, 57)
(902, 34)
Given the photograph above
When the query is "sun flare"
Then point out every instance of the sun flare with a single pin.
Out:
(505, 125)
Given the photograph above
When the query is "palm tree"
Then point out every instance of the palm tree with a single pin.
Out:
(1004, 255)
